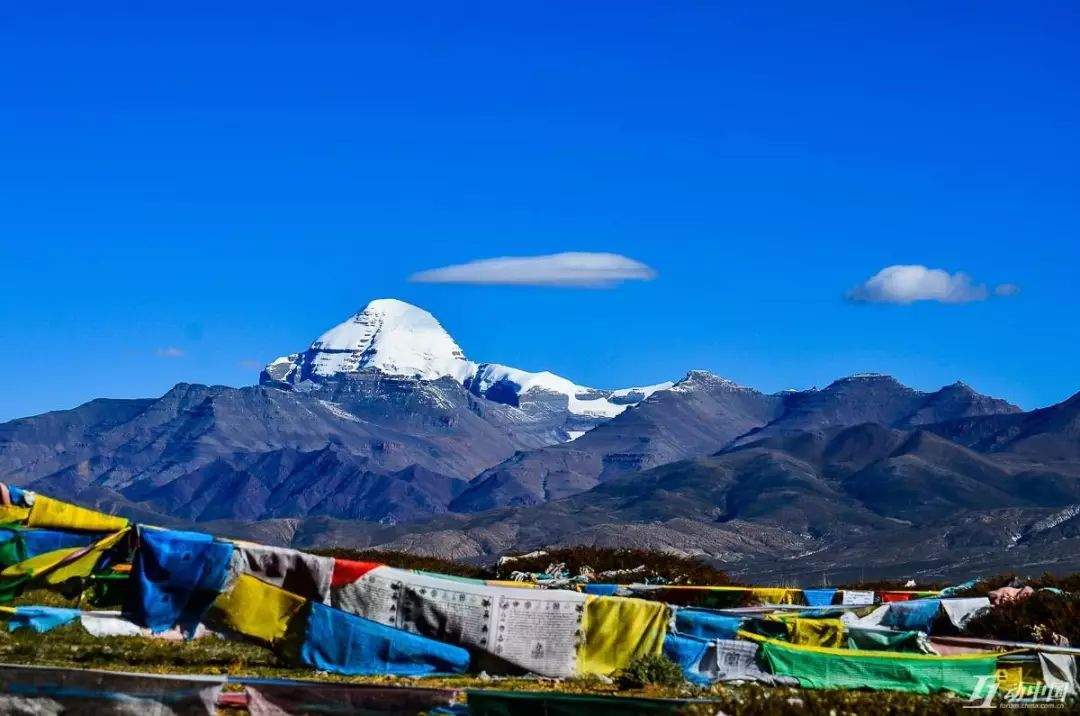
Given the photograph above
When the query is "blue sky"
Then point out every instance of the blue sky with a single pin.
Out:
(230, 179)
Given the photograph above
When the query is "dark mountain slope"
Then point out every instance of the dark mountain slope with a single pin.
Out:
(791, 504)
(1048, 434)
(699, 414)
(204, 452)
(927, 478)
(874, 398)
(36, 446)
(953, 402)
(702, 414)
(287, 483)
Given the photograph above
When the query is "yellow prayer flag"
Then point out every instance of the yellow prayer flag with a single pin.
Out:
(84, 565)
(509, 583)
(61, 565)
(41, 563)
(776, 595)
(816, 632)
(49, 513)
(13, 513)
(1010, 677)
(617, 630)
(255, 609)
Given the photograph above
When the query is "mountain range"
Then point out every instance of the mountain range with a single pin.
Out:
(383, 433)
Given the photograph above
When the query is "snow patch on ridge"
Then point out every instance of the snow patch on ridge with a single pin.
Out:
(645, 391)
(339, 411)
(581, 400)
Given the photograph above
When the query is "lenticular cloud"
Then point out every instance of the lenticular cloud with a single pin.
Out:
(571, 269)
(904, 284)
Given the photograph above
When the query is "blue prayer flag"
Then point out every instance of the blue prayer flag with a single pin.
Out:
(175, 577)
(689, 652)
(41, 619)
(916, 614)
(344, 643)
(706, 623)
(819, 597)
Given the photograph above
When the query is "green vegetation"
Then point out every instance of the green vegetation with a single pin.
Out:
(1041, 618)
(1067, 583)
(650, 671)
(70, 646)
(43, 598)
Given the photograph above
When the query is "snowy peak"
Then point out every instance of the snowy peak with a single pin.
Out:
(703, 379)
(388, 336)
(394, 338)
(882, 379)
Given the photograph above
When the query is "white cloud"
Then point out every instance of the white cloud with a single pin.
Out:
(572, 269)
(170, 352)
(250, 364)
(1006, 289)
(907, 284)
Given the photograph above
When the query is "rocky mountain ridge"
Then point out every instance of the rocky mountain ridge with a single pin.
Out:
(384, 434)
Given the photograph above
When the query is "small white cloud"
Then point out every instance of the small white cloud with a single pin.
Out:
(1006, 289)
(170, 352)
(572, 269)
(250, 364)
(906, 284)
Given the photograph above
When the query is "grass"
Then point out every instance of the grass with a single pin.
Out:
(70, 646)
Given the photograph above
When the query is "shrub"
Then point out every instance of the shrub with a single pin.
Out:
(650, 671)
(1035, 619)
(1067, 583)
(659, 566)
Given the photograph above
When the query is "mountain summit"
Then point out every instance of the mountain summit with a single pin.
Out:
(389, 336)
(393, 338)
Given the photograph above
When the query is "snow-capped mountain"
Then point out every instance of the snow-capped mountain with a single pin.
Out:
(388, 336)
(383, 425)
(394, 338)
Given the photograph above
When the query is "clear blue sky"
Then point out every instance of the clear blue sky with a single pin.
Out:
(231, 179)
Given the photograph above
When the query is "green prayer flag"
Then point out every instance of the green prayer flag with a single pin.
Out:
(820, 668)
(879, 640)
(12, 551)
